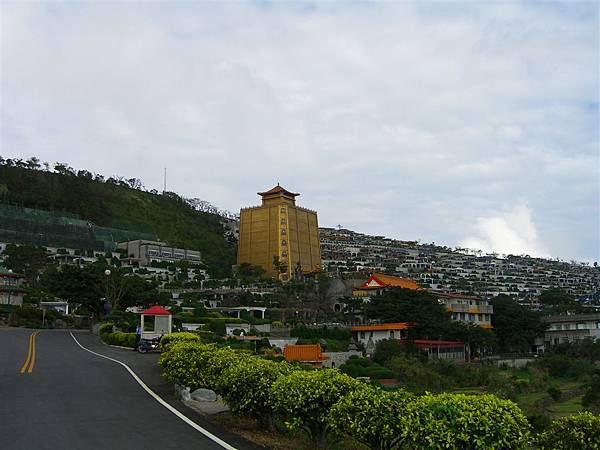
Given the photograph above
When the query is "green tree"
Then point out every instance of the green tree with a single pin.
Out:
(557, 300)
(427, 315)
(461, 421)
(372, 416)
(245, 387)
(578, 432)
(83, 286)
(27, 260)
(304, 399)
(516, 326)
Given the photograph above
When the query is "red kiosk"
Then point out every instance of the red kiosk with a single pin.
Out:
(162, 323)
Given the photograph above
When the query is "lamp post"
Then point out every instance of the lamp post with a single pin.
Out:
(108, 273)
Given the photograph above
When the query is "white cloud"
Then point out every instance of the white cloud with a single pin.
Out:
(398, 118)
(511, 233)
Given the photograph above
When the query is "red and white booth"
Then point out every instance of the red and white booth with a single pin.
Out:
(155, 322)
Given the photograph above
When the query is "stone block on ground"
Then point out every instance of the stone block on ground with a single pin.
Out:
(204, 395)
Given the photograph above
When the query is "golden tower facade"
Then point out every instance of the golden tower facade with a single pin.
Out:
(278, 228)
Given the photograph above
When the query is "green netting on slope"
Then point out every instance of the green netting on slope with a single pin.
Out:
(39, 227)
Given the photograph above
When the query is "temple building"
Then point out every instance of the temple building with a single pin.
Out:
(279, 236)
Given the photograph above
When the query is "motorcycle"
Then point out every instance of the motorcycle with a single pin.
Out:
(148, 345)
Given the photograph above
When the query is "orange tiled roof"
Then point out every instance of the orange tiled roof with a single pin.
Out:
(382, 327)
(303, 353)
(389, 281)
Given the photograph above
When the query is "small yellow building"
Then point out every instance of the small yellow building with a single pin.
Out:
(279, 229)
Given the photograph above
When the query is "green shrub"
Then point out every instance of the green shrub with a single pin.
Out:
(178, 337)
(578, 432)
(245, 387)
(304, 398)
(462, 421)
(119, 338)
(217, 362)
(183, 363)
(372, 416)
(554, 393)
(105, 328)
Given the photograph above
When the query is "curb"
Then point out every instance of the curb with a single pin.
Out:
(115, 346)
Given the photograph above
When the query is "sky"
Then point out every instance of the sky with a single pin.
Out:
(471, 124)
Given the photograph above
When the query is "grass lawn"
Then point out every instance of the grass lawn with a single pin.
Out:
(566, 408)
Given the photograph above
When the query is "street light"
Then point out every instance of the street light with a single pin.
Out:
(108, 273)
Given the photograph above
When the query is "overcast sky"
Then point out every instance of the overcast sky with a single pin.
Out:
(472, 124)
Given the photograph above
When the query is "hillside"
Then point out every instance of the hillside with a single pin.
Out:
(117, 203)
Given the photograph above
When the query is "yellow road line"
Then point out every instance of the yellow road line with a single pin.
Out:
(30, 361)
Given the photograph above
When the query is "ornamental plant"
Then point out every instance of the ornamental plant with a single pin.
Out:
(246, 386)
(304, 399)
(578, 432)
(372, 416)
(459, 421)
(217, 362)
(172, 338)
(184, 363)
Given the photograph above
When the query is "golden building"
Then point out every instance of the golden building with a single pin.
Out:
(279, 229)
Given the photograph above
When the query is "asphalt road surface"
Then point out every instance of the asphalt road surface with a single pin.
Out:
(56, 396)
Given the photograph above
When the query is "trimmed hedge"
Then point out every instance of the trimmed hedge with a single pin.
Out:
(372, 416)
(173, 338)
(304, 399)
(119, 338)
(464, 421)
(578, 432)
(245, 387)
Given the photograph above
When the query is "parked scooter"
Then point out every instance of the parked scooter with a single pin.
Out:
(149, 345)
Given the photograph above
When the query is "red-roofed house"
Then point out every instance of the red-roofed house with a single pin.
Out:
(369, 335)
(378, 282)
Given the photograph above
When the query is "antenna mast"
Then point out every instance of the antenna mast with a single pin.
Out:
(165, 182)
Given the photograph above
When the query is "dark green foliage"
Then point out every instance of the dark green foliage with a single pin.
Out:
(563, 366)
(578, 432)
(363, 367)
(516, 326)
(591, 397)
(121, 204)
(557, 300)
(554, 393)
(27, 260)
(421, 308)
(119, 338)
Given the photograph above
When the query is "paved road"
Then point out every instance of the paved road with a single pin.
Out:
(56, 396)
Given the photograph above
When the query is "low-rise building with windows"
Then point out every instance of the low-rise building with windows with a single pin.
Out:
(570, 328)
(370, 335)
(143, 253)
(468, 309)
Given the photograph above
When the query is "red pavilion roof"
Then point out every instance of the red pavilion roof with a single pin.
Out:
(156, 310)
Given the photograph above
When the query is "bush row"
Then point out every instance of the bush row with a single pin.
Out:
(119, 338)
(328, 403)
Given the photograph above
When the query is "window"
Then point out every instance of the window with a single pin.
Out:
(283, 231)
(283, 242)
(284, 253)
(392, 334)
(362, 334)
(283, 222)
(282, 209)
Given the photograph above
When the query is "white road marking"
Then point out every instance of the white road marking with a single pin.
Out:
(190, 422)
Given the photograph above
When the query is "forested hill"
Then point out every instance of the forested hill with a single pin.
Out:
(117, 203)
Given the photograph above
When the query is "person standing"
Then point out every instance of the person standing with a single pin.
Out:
(138, 337)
